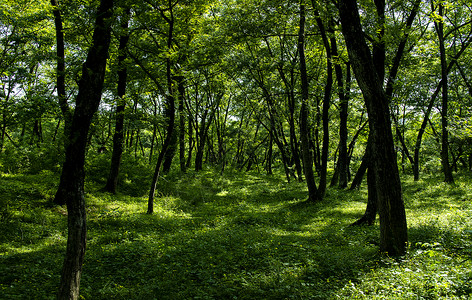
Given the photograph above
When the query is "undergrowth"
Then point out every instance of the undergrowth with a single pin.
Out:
(234, 236)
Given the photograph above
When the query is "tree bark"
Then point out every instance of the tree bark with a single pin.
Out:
(60, 197)
(118, 137)
(342, 165)
(371, 210)
(60, 69)
(72, 177)
(170, 113)
(325, 109)
(182, 117)
(304, 129)
(439, 25)
(170, 102)
(393, 226)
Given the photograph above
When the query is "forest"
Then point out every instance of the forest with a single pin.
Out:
(235, 149)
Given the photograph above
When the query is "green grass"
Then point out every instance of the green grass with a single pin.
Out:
(234, 236)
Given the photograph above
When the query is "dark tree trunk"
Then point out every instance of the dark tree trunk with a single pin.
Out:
(72, 177)
(307, 158)
(170, 153)
(190, 142)
(157, 171)
(439, 25)
(393, 226)
(60, 197)
(293, 137)
(170, 116)
(60, 69)
(371, 210)
(342, 165)
(199, 155)
(269, 156)
(356, 182)
(118, 137)
(325, 109)
(169, 113)
(275, 135)
(202, 138)
(181, 88)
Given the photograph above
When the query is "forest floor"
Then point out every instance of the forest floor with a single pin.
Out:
(234, 236)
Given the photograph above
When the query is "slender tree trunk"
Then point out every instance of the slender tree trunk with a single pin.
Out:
(393, 226)
(118, 137)
(325, 110)
(72, 177)
(304, 129)
(170, 153)
(269, 156)
(181, 88)
(371, 210)
(342, 165)
(275, 135)
(170, 115)
(202, 138)
(157, 171)
(199, 154)
(60, 69)
(293, 137)
(60, 197)
(356, 182)
(190, 142)
(439, 25)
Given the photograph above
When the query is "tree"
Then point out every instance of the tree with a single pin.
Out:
(313, 194)
(393, 226)
(61, 69)
(72, 176)
(168, 15)
(439, 26)
(118, 137)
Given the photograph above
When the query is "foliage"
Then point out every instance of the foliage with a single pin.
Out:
(235, 236)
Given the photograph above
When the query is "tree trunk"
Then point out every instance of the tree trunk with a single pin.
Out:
(325, 109)
(170, 105)
(356, 182)
(269, 156)
(160, 158)
(342, 165)
(118, 137)
(60, 69)
(304, 129)
(439, 25)
(72, 177)
(190, 142)
(181, 88)
(169, 112)
(170, 153)
(371, 210)
(60, 197)
(393, 226)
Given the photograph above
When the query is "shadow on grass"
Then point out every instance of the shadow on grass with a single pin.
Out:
(230, 236)
(246, 239)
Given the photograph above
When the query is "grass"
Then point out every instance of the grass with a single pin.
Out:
(234, 236)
